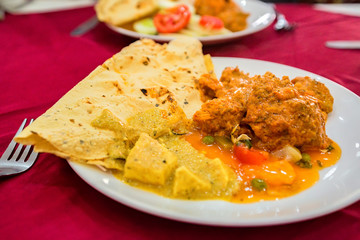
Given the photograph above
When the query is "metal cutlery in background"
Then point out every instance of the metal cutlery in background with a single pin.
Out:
(85, 26)
(281, 23)
(341, 44)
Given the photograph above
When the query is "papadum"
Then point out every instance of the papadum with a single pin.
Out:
(118, 12)
(91, 122)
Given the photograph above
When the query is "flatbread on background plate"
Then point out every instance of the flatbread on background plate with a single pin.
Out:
(143, 76)
(118, 12)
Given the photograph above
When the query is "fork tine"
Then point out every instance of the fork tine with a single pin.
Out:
(16, 153)
(32, 158)
(12, 144)
(25, 152)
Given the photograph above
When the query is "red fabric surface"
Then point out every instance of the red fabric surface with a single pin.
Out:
(40, 61)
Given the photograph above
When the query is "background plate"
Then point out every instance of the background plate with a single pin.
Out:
(261, 16)
(338, 187)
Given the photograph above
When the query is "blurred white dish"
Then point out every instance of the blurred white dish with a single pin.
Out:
(42, 6)
(261, 16)
(351, 9)
(338, 187)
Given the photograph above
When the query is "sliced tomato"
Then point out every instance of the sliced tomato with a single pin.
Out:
(250, 156)
(211, 22)
(173, 19)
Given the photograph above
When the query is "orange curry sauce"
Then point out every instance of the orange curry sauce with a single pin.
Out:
(283, 178)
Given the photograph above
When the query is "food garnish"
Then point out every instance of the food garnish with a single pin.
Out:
(211, 22)
(145, 26)
(330, 148)
(208, 140)
(305, 161)
(172, 20)
(259, 184)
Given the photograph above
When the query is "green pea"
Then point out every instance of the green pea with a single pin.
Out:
(259, 184)
(208, 140)
(306, 157)
(305, 161)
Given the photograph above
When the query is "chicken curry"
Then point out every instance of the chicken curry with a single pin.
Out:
(254, 138)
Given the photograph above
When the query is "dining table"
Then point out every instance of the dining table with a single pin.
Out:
(40, 61)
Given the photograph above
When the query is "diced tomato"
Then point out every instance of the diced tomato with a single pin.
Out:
(250, 156)
(173, 19)
(211, 22)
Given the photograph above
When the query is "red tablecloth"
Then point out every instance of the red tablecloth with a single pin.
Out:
(40, 61)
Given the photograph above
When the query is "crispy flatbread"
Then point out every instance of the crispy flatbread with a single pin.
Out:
(118, 12)
(145, 75)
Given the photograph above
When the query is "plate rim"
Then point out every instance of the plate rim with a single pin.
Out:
(256, 222)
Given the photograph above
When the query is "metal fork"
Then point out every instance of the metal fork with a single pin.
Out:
(11, 163)
(281, 23)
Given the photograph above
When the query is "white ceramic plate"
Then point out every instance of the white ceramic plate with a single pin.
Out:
(261, 16)
(338, 187)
